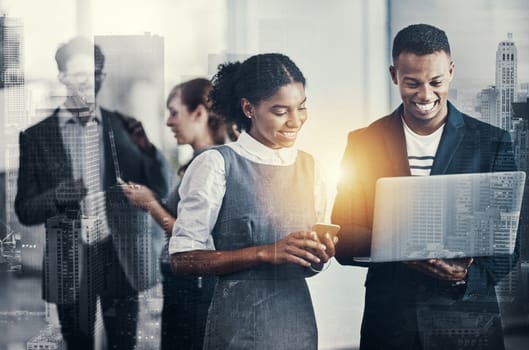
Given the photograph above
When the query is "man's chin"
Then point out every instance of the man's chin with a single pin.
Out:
(424, 118)
(78, 105)
(79, 101)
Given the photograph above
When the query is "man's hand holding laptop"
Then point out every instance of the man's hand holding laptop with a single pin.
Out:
(445, 269)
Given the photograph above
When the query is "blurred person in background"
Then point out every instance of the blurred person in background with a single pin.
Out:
(68, 170)
(185, 298)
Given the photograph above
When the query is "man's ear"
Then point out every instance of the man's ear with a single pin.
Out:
(393, 73)
(62, 77)
(451, 70)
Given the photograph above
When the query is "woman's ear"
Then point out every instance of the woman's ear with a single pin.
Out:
(200, 113)
(247, 108)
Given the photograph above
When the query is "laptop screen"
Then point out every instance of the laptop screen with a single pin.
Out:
(446, 216)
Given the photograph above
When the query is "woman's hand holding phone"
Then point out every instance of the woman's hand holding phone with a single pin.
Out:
(325, 234)
(308, 249)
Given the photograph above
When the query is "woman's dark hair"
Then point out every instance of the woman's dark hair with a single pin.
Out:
(256, 79)
(194, 93)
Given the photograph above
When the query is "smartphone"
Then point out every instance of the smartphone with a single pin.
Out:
(321, 229)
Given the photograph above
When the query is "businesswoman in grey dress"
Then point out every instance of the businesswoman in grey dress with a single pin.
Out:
(246, 210)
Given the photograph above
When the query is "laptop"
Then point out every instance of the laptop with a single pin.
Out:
(446, 216)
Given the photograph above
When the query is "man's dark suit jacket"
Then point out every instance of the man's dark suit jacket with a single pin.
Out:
(404, 308)
(44, 164)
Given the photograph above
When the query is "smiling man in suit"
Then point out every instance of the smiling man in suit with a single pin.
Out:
(69, 167)
(436, 303)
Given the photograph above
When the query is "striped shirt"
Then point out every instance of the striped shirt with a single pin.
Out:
(421, 150)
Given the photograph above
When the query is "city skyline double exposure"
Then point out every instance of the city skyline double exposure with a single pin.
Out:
(348, 86)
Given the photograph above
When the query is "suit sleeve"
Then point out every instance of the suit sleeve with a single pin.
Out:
(33, 204)
(351, 207)
(153, 171)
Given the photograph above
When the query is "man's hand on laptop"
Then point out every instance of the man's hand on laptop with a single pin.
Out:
(445, 269)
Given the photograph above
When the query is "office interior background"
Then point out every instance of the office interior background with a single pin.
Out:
(343, 49)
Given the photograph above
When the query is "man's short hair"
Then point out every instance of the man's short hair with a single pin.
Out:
(76, 46)
(420, 39)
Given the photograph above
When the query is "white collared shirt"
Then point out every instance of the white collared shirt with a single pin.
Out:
(70, 125)
(204, 184)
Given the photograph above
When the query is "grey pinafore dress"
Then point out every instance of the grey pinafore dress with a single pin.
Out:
(269, 306)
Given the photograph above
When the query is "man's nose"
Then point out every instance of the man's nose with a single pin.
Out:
(425, 93)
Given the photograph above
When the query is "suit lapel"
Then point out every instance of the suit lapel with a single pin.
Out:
(110, 170)
(450, 141)
(395, 144)
(52, 144)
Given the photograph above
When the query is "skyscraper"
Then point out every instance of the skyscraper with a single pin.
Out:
(136, 240)
(487, 99)
(521, 135)
(506, 80)
(521, 153)
(11, 69)
(12, 113)
(136, 237)
(74, 265)
(504, 240)
(48, 338)
(71, 264)
(85, 152)
(523, 92)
